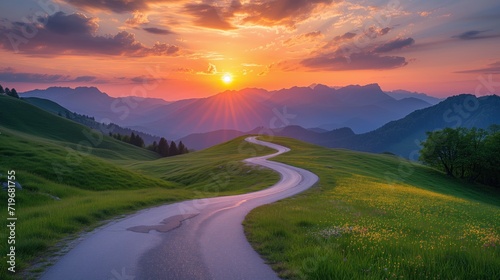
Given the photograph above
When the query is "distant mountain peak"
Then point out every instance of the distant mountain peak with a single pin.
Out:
(323, 89)
(68, 90)
(87, 88)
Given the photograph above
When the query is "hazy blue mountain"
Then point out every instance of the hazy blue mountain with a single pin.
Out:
(91, 101)
(362, 108)
(401, 94)
(401, 137)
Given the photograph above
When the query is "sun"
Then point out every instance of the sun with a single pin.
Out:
(227, 78)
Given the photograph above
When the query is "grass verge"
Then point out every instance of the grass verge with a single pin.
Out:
(377, 217)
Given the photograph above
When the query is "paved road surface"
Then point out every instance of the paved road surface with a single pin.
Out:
(196, 239)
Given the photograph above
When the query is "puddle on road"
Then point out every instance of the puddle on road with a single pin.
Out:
(166, 225)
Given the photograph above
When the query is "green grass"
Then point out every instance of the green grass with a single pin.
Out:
(221, 164)
(377, 217)
(47, 105)
(97, 189)
(67, 190)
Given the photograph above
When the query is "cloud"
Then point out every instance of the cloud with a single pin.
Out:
(281, 12)
(337, 61)
(157, 31)
(492, 68)
(266, 70)
(346, 36)
(251, 65)
(117, 6)
(61, 23)
(211, 70)
(333, 43)
(474, 35)
(85, 79)
(145, 79)
(76, 37)
(9, 75)
(137, 19)
(374, 32)
(394, 45)
(303, 38)
(183, 70)
(208, 16)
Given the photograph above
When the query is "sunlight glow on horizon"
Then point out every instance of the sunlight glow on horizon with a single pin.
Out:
(227, 78)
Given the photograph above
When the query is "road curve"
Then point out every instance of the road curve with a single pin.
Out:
(196, 239)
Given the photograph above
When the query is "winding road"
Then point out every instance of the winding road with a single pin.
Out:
(196, 239)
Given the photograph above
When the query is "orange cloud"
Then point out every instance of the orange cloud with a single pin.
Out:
(281, 12)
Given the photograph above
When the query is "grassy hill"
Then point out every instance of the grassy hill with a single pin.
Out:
(22, 117)
(52, 107)
(378, 217)
(67, 189)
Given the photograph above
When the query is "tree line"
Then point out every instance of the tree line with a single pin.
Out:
(471, 154)
(10, 92)
(162, 147)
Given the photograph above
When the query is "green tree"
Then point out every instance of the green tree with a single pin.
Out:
(13, 93)
(138, 141)
(441, 150)
(491, 174)
(132, 138)
(182, 148)
(153, 147)
(173, 150)
(163, 147)
(471, 153)
(2, 91)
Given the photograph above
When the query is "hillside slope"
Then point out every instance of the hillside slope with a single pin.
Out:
(377, 217)
(53, 107)
(23, 117)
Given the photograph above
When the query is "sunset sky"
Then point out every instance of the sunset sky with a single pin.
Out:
(176, 49)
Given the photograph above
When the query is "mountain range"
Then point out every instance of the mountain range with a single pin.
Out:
(362, 108)
(313, 114)
(401, 137)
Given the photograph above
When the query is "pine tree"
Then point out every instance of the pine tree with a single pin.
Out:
(2, 91)
(163, 147)
(139, 142)
(132, 139)
(173, 151)
(182, 148)
(153, 147)
(14, 94)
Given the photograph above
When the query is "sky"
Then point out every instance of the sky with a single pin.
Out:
(177, 49)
